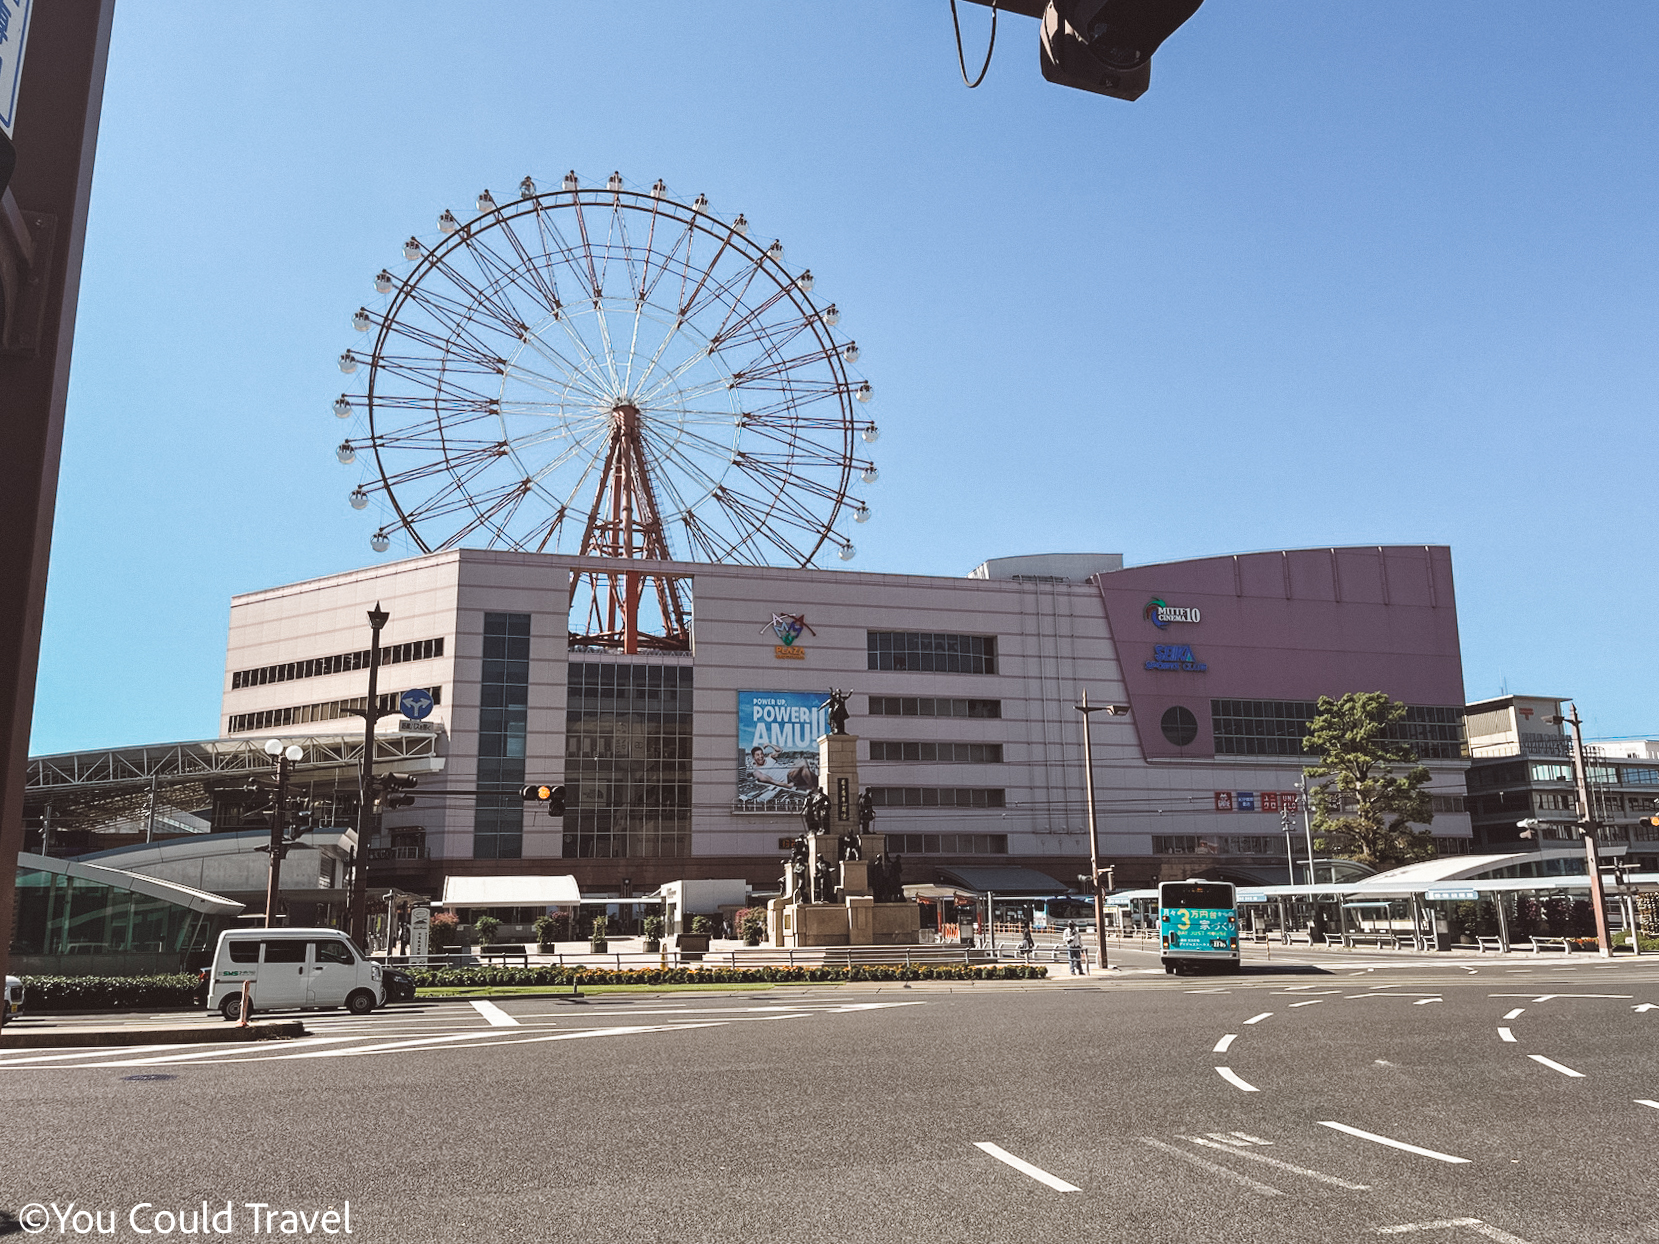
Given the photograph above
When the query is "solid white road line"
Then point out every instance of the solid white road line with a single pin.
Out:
(1474, 1224)
(1225, 1172)
(1232, 1077)
(1258, 1018)
(1555, 1066)
(1505, 1035)
(1643, 1101)
(495, 1015)
(1025, 1168)
(1283, 1166)
(1516, 1013)
(1221, 1045)
(1392, 1144)
(84, 1052)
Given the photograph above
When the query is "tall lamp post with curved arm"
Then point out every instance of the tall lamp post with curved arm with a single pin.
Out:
(357, 923)
(1111, 710)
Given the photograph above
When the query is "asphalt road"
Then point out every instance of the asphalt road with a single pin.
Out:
(889, 1114)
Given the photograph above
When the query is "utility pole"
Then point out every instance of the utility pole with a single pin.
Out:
(358, 920)
(1307, 828)
(279, 846)
(1587, 824)
(1111, 710)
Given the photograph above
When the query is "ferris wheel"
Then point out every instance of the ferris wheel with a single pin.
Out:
(607, 371)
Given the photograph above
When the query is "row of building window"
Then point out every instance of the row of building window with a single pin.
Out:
(926, 652)
(339, 663)
(328, 710)
(943, 753)
(937, 797)
(1217, 844)
(1518, 772)
(947, 844)
(1277, 728)
(923, 706)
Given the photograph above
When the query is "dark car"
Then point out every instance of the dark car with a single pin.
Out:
(400, 984)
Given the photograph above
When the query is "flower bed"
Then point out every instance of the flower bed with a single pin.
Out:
(460, 978)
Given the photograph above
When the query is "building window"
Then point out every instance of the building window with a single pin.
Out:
(1447, 803)
(923, 706)
(339, 663)
(1277, 728)
(628, 761)
(939, 753)
(328, 710)
(947, 844)
(1217, 844)
(937, 797)
(929, 653)
(1179, 725)
(503, 694)
(1641, 777)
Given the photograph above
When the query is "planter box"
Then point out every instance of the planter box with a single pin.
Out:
(598, 948)
(692, 946)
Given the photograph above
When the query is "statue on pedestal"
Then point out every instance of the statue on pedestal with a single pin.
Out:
(837, 705)
(823, 890)
(816, 813)
(866, 810)
(847, 848)
(887, 879)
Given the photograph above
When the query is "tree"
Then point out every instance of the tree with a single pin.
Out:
(1365, 811)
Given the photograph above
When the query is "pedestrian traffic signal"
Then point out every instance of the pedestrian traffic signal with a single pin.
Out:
(552, 796)
(1106, 46)
(390, 785)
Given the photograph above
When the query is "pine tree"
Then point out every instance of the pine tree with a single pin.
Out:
(1365, 811)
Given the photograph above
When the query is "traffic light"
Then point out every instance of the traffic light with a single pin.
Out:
(1106, 46)
(552, 796)
(389, 787)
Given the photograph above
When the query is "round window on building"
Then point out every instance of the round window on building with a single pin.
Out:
(1180, 727)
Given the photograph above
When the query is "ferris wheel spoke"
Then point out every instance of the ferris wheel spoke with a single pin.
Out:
(763, 528)
(568, 454)
(483, 516)
(766, 338)
(529, 271)
(576, 375)
(509, 275)
(478, 299)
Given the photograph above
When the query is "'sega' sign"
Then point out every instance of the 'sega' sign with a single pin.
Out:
(14, 34)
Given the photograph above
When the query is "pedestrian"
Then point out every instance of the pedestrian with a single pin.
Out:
(403, 937)
(1074, 949)
(1026, 944)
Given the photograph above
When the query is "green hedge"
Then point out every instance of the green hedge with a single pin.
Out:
(110, 993)
(461, 978)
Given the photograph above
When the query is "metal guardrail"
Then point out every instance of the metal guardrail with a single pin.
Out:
(747, 957)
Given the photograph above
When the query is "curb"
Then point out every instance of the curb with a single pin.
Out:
(73, 1038)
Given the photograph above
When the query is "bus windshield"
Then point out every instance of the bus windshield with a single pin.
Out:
(1205, 894)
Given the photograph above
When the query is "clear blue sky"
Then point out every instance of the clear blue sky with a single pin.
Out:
(1350, 273)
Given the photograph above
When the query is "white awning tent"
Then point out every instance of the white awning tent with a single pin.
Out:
(511, 892)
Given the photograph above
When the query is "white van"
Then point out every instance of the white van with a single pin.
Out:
(292, 968)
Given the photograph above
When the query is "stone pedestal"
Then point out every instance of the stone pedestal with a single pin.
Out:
(861, 920)
(774, 921)
(838, 778)
(855, 878)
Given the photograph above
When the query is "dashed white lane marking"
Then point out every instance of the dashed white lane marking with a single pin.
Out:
(1256, 1019)
(1233, 1078)
(1260, 1189)
(1505, 1035)
(1427, 1001)
(32, 1057)
(1237, 1138)
(1643, 1101)
(1546, 997)
(1221, 1045)
(1555, 1066)
(1516, 1013)
(1473, 1224)
(1310, 1002)
(1277, 1164)
(1392, 1144)
(495, 1015)
(1025, 1168)
(1645, 1006)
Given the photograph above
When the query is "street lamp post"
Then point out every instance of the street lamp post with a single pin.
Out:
(358, 918)
(285, 757)
(1598, 900)
(1111, 710)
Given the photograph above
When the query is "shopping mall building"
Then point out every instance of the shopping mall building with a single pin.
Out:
(691, 764)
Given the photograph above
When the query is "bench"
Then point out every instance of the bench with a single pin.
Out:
(1541, 944)
(503, 953)
(1380, 941)
(1489, 943)
(1298, 937)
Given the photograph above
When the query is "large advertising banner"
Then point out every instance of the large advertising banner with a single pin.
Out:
(777, 748)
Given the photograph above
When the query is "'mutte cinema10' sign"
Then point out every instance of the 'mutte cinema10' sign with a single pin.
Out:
(1161, 614)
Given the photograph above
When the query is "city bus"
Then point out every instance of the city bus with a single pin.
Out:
(1198, 923)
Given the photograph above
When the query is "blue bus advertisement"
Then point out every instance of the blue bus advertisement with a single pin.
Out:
(1198, 926)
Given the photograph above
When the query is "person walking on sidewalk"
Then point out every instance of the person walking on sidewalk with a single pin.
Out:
(1074, 949)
